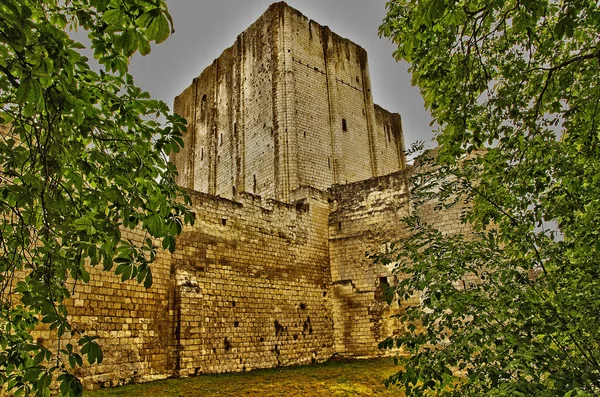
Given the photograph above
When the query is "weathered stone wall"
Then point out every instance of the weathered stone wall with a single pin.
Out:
(307, 103)
(364, 217)
(134, 324)
(251, 284)
(233, 135)
(257, 283)
(246, 288)
(288, 105)
(389, 141)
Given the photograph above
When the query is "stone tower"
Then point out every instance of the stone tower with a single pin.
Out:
(286, 113)
(288, 105)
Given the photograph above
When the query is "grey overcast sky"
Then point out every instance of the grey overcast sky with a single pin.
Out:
(204, 28)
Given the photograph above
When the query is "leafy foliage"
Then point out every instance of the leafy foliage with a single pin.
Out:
(511, 308)
(83, 157)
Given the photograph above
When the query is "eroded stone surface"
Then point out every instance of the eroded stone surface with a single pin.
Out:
(294, 174)
(288, 105)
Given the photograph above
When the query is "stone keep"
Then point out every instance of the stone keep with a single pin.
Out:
(288, 105)
(294, 174)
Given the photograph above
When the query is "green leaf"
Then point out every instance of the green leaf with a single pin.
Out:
(154, 225)
(24, 91)
(100, 5)
(169, 243)
(128, 42)
(115, 16)
(58, 20)
(66, 193)
(144, 45)
(157, 25)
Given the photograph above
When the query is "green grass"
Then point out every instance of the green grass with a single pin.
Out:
(337, 378)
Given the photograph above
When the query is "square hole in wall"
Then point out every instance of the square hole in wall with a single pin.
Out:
(344, 125)
(384, 286)
(383, 282)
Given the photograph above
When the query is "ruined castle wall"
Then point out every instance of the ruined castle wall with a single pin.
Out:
(251, 285)
(134, 325)
(310, 110)
(245, 289)
(288, 105)
(232, 137)
(255, 284)
(365, 216)
(389, 141)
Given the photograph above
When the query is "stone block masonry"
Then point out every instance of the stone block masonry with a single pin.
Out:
(246, 288)
(294, 174)
(288, 105)
(365, 216)
(251, 282)
(254, 284)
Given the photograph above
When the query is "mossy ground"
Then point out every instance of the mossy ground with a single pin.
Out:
(336, 378)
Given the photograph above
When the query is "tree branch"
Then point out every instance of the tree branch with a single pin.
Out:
(9, 76)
